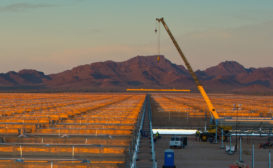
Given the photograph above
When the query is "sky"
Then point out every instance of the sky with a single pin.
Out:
(57, 35)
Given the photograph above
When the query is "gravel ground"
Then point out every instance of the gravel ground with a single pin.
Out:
(206, 155)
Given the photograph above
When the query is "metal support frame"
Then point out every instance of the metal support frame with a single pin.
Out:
(151, 134)
(136, 147)
(240, 156)
(230, 152)
(146, 108)
(253, 165)
(216, 136)
(269, 159)
(222, 139)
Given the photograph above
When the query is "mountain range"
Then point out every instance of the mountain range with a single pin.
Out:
(142, 72)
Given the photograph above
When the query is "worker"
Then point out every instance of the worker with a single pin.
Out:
(157, 134)
(197, 134)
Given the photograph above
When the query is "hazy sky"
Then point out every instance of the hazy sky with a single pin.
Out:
(56, 35)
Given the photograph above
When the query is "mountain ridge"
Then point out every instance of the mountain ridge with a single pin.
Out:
(142, 72)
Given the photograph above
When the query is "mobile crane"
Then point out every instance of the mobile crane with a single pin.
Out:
(212, 132)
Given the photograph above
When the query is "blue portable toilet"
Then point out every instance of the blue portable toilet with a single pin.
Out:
(169, 159)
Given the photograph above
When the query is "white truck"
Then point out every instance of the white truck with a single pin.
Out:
(176, 142)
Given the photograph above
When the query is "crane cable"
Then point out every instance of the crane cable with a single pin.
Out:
(157, 31)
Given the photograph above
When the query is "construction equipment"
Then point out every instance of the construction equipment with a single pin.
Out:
(213, 113)
(176, 142)
(197, 82)
(210, 133)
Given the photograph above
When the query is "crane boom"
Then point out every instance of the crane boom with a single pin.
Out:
(201, 89)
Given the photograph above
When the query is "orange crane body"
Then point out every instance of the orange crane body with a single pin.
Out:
(201, 89)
